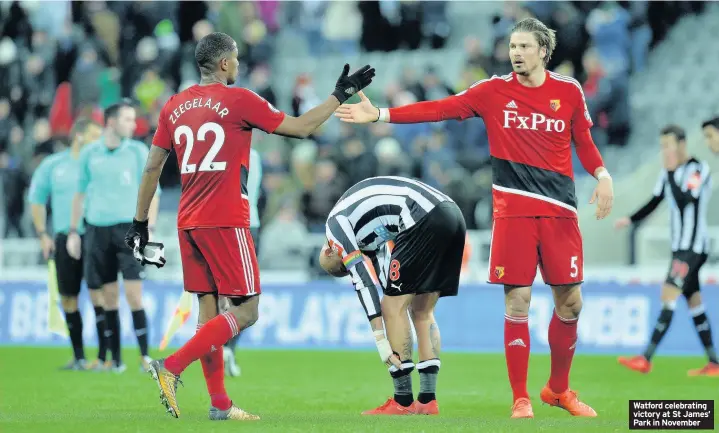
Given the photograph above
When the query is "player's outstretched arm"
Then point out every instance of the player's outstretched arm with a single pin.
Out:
(455, 107)
(347, 85)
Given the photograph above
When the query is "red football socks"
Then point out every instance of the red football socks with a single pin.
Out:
(516, 350)
(211, 336)
(213, 369)
(562, 343)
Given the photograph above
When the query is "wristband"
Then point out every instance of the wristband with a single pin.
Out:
(383, 115)
(603, 174)
(384, 349)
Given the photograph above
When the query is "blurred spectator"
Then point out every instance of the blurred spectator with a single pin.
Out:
(15, 182)
(317, 201)
(341, 28)
(283, 243)
(433, 86)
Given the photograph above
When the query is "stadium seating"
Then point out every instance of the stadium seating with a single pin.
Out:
(676, 90)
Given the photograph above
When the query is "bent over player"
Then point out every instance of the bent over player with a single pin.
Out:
(531, 115)
(408, 239)
(686, 184)
(210, 127)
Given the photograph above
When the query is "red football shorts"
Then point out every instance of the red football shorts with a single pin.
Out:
(219, 260)
(520, 244)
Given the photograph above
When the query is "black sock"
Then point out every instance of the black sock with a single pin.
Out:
(139, 320)
(402, 380)
(74, 325)
(112, 320)
(428, 371)
(101, 338)
(663, 322)
(701, 324)
(232, 342)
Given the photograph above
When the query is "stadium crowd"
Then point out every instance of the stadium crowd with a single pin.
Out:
(62, 59)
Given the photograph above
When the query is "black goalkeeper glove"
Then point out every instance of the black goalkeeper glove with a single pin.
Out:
(138, 230)
(348, 85)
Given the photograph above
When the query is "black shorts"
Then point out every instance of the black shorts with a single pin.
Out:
(427, 257)
(69, 271)
(106, 253)
(684, 271)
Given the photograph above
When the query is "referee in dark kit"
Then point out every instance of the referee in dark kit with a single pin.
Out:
(110, 173)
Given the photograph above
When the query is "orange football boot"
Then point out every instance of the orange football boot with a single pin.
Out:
(522, 408)
(568, 401)
(711, 370)
(637, 363)
(431, 408)
(390, 407)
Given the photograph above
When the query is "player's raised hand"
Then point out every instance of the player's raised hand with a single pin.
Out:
(362, 112)
(622, 223)
(604, 196)
(347, 85)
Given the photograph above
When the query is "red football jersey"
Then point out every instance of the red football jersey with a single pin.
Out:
(210, 128)
(530, 134)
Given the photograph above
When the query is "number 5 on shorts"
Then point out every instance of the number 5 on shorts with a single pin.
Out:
(575, 270)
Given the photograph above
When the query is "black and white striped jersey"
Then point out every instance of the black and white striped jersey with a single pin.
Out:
(369, 216)
(688, 191)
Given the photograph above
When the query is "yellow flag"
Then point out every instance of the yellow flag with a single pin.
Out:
(55, 320)
(179, 317)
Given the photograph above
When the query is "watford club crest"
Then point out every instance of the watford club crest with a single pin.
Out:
(554, 104)
(499, 272)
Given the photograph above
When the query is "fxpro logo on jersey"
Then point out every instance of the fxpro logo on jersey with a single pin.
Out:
(533, 122)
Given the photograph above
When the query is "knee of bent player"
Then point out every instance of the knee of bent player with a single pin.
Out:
(69, 303)
(516, 300)
(422, 308)
(394, 305)
(569, 304)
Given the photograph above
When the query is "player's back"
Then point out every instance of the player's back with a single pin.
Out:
(210, 127)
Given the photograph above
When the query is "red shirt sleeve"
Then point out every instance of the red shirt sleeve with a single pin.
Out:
(581, 120)
(468, 103)
(587, 151)
(257, 112)
(162, 136)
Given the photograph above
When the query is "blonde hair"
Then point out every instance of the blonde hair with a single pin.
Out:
(545, 36)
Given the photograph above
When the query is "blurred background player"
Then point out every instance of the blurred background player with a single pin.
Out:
(408, 239)
(254, 182)
(110, 170)
(532, 115)
(710, 128)
(56, 178)
(686, 183)
(210, 128)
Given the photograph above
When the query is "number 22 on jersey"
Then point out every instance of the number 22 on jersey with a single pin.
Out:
(208, 162)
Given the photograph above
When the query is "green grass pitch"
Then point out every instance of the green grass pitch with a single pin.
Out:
(319, 391)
